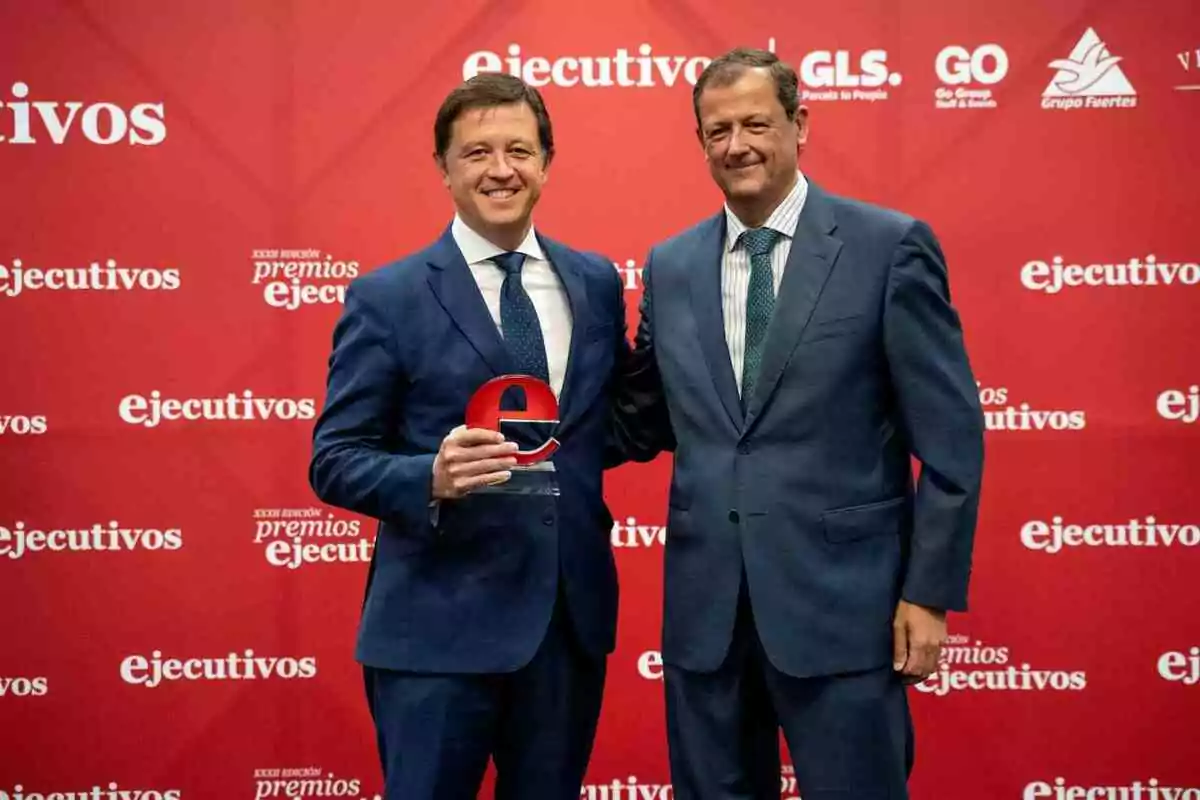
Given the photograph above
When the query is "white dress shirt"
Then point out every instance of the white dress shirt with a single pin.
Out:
(735, 268)
(540, 282)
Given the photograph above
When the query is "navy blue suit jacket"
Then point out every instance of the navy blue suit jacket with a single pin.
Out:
(811, 489)
(473, 593)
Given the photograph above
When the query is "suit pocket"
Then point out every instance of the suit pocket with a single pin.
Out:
(852, 523)
(830, 328)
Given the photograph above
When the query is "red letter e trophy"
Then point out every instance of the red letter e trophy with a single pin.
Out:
(534, 473)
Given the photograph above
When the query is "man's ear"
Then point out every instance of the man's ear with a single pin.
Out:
(801, 128)
(440, 162)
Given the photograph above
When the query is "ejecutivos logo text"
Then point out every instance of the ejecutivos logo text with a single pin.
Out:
(631, 534)
(1053, 276)
(631, 274)
(1190, 61)
(292, 279)
(1180, 666)
(966, 666)
(967, 76)
(628, 789)
(1056, 535)
(650, 665)
(1091, 77)
(30, 121)
(155, 670)
(16, 278)
(823, 74)
(154, 410)
(787, 783)
(19, 540)
(23, 424)
(112, 791)
(1000, 415)
(297, 537)
(1179, 406)
(1059, 789)
(632, 788)
(298, 783)
(24, 687)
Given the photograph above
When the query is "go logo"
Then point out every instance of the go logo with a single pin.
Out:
(986, 64)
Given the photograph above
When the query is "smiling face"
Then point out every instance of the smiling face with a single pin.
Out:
(494, 167)
(751, 146)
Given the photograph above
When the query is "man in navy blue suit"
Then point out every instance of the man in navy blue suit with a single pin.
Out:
(795, 351)
(488, 617)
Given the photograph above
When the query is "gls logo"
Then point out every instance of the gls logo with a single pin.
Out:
(101, 123)
(825, 69)
(831, 75)
(21, 425)
(832, 68)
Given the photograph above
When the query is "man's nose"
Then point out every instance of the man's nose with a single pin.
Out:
(737, 142)
(499, 167)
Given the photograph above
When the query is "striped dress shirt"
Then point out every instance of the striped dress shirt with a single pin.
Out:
(735, 268)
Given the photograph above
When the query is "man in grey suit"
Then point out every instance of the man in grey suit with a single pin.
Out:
(795, 351)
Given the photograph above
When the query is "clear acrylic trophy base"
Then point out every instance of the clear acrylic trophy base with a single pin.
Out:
(536, 479)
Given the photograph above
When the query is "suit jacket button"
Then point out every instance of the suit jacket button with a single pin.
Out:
(744, 449)
(733, 516)
(547, 520)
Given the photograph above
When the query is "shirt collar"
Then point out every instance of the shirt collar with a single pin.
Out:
(783, 219)
(476, 248)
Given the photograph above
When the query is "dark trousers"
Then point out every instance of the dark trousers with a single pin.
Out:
(850, 736)
(437, 731)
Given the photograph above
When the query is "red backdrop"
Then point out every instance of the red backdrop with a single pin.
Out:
(194, 145)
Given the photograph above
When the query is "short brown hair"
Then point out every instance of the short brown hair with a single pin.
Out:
(728, 68)
(488, 90)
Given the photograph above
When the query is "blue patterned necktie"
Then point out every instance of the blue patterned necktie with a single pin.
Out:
(760, 303)
(519, 320)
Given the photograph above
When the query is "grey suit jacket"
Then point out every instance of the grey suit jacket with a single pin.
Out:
(810, 493)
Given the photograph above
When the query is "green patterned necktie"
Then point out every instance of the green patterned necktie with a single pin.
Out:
(760, 303)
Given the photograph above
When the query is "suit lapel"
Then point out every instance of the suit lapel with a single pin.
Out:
(455, 288)
(710, 321)
(809, 263)
(565, 265)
